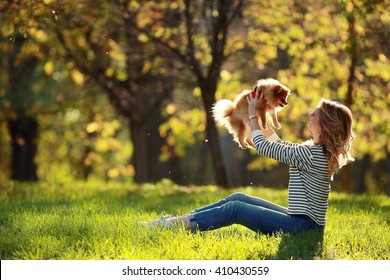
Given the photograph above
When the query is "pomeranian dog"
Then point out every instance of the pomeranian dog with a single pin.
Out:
(233, 115)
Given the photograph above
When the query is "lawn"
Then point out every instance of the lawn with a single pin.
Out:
(98, 221)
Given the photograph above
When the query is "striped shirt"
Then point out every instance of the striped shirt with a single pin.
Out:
(309, 184)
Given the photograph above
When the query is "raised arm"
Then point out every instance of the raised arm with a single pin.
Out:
(267, 143)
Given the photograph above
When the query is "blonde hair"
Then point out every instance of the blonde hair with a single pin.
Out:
(336, 135)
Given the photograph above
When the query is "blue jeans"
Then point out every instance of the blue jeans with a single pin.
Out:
(254, 213)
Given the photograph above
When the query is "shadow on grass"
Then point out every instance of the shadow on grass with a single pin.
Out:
(305, 246)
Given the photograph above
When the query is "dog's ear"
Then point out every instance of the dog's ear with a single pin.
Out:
(262, 88)
(280, 92)
(277, 90)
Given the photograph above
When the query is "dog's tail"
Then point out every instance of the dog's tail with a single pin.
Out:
(221, 110)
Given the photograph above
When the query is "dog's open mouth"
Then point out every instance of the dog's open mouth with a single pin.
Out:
(281, 104)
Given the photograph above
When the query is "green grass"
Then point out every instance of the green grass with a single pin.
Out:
(98, 221)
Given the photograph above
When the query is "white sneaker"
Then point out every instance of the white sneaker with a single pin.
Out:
(162, 222)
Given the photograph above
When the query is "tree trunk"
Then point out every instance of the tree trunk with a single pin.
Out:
(345, 172)
(388, 174)
(213, 141)
(158, 169)
(86, 165)
(24, 141)
(140, 152)
(363, 167)
(346, 185)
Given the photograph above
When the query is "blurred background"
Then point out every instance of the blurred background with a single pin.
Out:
(122, 90)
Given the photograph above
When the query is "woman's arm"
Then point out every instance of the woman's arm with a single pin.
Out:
(293, 154)
(254, 123)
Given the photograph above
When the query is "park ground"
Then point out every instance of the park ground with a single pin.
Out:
(97, 220)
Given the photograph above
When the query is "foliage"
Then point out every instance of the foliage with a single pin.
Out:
(84, 143)
(98, 221)
(309, 46)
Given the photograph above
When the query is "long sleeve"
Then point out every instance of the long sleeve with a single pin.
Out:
(297, 155)
(309, 183)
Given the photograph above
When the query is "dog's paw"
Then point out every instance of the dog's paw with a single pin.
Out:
(249, 143)
(249, 146)
(243, 146)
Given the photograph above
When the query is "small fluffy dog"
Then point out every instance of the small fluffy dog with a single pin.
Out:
(234, 114)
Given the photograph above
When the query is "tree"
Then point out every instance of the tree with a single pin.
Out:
(139, 52)
(348, 100)
(200, 43)
(35, 89)
(19, 63)
(337, 50)
(368, 48)
(102, 44)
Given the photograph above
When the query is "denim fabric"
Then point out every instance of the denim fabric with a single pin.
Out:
(254, 213)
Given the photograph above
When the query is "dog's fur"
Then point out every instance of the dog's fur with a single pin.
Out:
(234, 114)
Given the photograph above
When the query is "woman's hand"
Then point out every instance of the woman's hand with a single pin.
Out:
(253, 98)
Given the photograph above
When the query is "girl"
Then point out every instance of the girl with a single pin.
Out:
(312, 165)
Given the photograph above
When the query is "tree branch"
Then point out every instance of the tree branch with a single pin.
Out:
(194, 63)
(118, 92)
